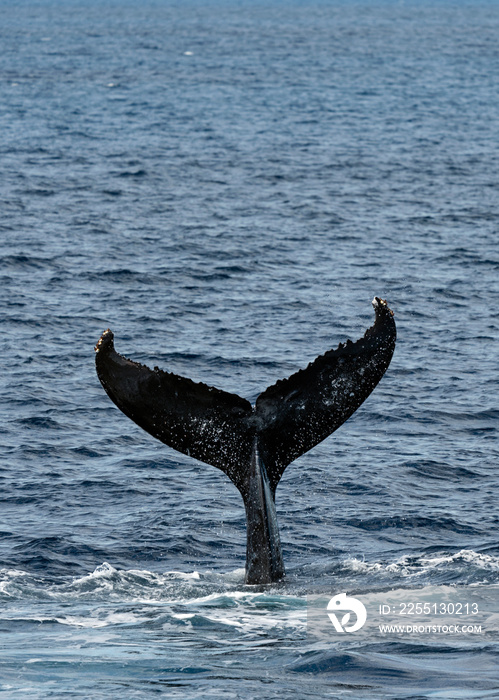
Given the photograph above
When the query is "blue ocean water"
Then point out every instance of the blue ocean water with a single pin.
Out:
(227, 185)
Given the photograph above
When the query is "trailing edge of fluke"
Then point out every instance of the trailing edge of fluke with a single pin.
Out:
(253, 445)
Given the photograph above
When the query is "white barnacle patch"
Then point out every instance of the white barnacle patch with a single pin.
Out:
(107, 335)
(339, 387)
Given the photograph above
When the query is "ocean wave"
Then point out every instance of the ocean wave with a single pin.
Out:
(213, 589)
(108, 597)
(107, 582)
(402, 522)
(460, 568)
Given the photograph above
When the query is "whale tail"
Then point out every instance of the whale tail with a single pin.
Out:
(252, 445)
(220, 428)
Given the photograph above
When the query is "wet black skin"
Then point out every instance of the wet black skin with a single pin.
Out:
(252, 444)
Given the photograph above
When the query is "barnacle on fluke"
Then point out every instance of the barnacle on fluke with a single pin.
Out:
(252, 444)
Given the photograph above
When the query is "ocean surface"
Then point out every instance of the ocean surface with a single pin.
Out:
(227, 185)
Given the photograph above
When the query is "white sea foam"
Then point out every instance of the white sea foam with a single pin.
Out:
(209, 591)
(410, 565)
(484, 561)
(7, 576)
(108, 619)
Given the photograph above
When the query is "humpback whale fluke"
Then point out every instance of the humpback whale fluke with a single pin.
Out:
(253, 445)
